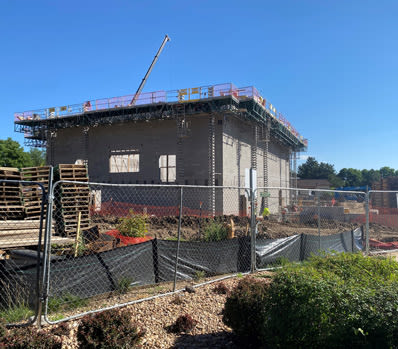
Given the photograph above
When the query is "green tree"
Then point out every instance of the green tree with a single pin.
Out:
(387, 172)
(13, 155)
(351, 177)
(370, 176)
(37, 156)
(312, 169)
(335, 181)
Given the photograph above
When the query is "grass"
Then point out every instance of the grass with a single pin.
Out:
(16, 314)
(124, 285)
(67, 301)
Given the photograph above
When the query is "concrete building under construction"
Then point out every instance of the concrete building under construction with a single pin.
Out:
(204, 135)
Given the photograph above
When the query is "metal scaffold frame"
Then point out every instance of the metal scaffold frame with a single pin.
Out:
(245, 103)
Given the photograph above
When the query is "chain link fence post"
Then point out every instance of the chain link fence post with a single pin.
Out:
(367, 222)
(178, 238)
(252, 224)
(47, 244)
(318, 195)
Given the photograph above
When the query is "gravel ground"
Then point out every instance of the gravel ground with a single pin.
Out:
(155, 315)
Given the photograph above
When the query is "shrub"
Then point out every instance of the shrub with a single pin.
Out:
(243, 310)
(215, 231)
(134, 225)
(332, 301)
(178, 300)
(184, 323)
(30, 338)
(62, 329)
(109, 329)
(199, 275)
(221, 288)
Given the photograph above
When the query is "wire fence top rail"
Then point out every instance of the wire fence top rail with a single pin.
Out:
(147, 98)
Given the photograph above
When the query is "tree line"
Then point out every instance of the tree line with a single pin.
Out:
(12, 154)
(346, 177)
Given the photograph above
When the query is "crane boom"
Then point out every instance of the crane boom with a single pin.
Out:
(166, 38)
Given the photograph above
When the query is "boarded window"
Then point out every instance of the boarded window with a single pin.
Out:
(122, 161)
(167, 166)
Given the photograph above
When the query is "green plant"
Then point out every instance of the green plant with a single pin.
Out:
(331, 300)
(30, 338)
(215, 231)
(16, 313)
(66, 301)
(109, 329)
(124, 285)
(199, 275)
(184, 323)
(133, 225)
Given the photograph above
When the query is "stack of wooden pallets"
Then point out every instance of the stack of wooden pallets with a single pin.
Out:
(11, 204)
(33, 194)
(72, 199)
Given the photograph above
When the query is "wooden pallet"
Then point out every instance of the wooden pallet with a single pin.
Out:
(11, 203)
(33, 194)
(72, 199)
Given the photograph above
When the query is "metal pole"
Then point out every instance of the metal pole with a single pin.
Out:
(253, 225)
(319, 218)
(367, 221)
(47, 242)
(178, 240)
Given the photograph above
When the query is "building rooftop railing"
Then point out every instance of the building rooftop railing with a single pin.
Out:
(147, 98)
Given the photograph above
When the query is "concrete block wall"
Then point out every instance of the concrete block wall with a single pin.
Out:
(233, 144)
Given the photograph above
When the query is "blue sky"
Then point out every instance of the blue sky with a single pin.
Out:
(331, 67)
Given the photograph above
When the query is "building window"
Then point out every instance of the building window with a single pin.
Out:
(167, 166)
(122, 161)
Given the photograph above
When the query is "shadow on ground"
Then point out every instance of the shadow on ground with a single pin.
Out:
(209, 340)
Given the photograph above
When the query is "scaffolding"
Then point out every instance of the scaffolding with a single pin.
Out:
(39, 126)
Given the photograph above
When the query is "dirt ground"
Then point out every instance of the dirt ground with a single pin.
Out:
(192, 227)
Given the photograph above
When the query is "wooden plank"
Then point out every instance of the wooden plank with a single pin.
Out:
(7, 243)
(13, 169)
(39, 168)
(18, 232)
(19, 224)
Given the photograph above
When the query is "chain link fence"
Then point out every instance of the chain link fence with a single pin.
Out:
(22, 222)
(129, 242)
(383, 221)
(295, 223)
(108, 245)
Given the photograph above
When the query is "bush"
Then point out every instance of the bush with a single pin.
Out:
(244, 308)
(215, 231)
(109, 329)
(330, 301)
(221, 288)
(30, 338)
(62, 329)
(184, 323)
(134, 225)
